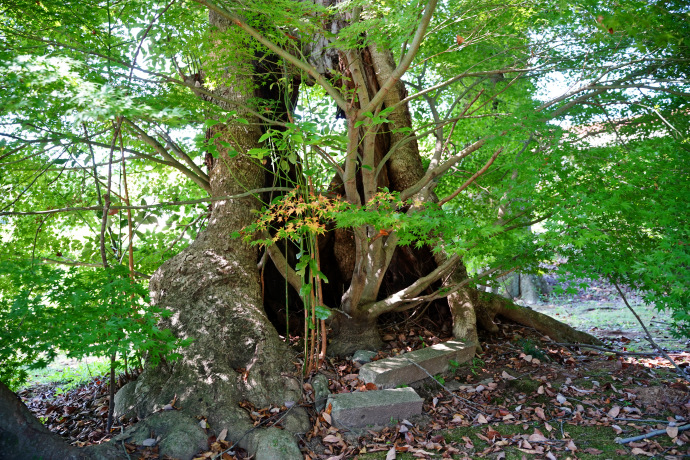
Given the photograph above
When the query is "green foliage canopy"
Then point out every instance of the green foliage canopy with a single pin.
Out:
(599, 158)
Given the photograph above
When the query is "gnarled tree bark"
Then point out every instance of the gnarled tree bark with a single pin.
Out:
(212, 290)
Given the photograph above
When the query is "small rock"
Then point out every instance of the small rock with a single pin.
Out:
(321, 392)
(363, 356)
(296, 420)
(453, 385)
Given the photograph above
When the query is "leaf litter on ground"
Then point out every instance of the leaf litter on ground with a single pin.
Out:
(509, 404)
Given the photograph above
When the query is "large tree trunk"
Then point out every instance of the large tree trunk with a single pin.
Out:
(402, 170)
(370, 68)
(212, 291)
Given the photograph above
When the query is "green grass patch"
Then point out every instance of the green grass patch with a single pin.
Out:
(525, 385)
(613, 316)
(66, 374)
(584, 437)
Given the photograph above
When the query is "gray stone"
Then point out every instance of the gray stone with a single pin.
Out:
(183, 435)
(542, 285)
(123, 401)
(405, 369)
(510, 285)
(453, 385)
(321, 391)
(363, 356)
(297, 420)
(528, 289)
(273, 443)
(380, 407)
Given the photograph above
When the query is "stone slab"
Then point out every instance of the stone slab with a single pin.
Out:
(361, 409)
(405, 369)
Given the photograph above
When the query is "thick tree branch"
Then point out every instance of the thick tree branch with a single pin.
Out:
(311, 71)
(404, 295)
(450, 81)
(405, 62)
(283, 267)
(186, 158)
(441, 169)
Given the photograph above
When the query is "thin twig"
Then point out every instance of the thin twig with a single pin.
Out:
(640, 420)
(649, 337)
(604, 349)
(427, 373)
(471, 179)
(74, 263)
(125, 449)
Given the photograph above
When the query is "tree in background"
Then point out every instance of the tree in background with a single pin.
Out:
(343, 160)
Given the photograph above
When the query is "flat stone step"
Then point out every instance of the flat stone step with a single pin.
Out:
(360, 409)
(409, 367)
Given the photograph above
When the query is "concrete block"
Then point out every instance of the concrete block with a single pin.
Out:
(361, 409)
(405, 369)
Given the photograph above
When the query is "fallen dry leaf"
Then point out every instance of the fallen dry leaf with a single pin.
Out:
(537, 437)
(672, 431)
(391, 454)
(638, 451)
(540, 413)
(507, 376)
(613, 413)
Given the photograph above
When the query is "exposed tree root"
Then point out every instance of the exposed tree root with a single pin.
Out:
(492, 305)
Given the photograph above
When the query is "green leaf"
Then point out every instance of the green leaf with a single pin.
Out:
(322, 312)
(305, 290)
